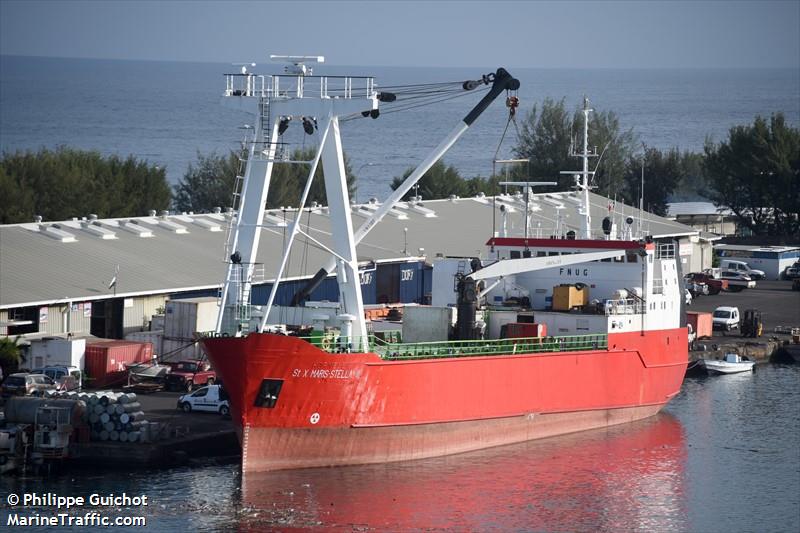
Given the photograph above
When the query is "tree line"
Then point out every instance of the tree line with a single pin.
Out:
(755, 173)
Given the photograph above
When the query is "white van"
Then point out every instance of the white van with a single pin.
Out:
(211, 398)
(740, 267)
(725, 318)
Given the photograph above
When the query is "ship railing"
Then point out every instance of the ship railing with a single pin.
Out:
(624, 306)
(471, 348)
(276, 86)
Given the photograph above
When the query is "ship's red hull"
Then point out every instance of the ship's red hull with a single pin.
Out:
(336, 409)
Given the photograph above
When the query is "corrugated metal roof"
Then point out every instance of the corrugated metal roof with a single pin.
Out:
(36, 268)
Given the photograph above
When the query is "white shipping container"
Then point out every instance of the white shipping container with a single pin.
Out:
(178, 350)
(157, 323)
(183, 318)
(50, 351)
(153, 337)
(426, 324)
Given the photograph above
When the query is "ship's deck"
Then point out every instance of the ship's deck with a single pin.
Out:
(390, 348)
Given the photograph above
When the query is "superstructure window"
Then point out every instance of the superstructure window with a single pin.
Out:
(268, 393)
(515, 254)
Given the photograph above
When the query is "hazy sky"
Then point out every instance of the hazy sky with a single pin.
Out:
(447, 33)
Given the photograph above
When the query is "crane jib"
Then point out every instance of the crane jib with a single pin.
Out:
(501, 81)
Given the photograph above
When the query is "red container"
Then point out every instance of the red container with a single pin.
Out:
(702, 323)
(519, 330)
(106, 361)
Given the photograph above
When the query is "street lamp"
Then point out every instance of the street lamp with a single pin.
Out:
(358, 171)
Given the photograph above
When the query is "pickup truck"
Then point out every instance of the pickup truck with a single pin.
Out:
(185, 375)
(714, 285)
(212, 398)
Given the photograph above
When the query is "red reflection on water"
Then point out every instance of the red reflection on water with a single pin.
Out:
(627, 477)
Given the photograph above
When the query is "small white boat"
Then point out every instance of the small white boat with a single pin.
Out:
(732, 364)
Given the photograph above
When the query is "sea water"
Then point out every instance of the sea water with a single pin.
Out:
(167, 112)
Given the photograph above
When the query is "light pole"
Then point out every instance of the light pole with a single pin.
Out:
(358, 171)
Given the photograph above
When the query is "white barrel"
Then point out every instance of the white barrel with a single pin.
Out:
(94, 417)
(104, 435)
(104, 418)
(134, 436)
(111, 408)
(129, 397)
(620, 294)
(99, 409)
(123, 436)
(131, 407)
(131, 417)
(113, 435)
(109, 426)
(119, 409)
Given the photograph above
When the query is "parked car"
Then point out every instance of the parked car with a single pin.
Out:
(185, 375)
(24, 384)
(791, 272)
(740, 267)
(726, 318)
(713, 284)
(212, 398)
(737, 282)
(67, 378)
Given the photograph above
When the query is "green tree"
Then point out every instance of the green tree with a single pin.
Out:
(548, 133)
(440, 181)
(663, 171)
(615, 145)
(207, 184)
(756, 174)
(289, 179)
(66, 182)
(210, 182)
(10, 355)
(545, 140)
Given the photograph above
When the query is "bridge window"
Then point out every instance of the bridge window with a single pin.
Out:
(515, 254)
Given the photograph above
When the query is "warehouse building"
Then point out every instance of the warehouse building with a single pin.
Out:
(109, 277)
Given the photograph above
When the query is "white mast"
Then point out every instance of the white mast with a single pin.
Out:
(582, 176)
(276, 101)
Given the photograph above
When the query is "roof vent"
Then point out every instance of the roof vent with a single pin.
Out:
(164, 214)
(54, 231)
(92, 216)
(38, 219)
(137, 229)
(152, 212)
(217, 210)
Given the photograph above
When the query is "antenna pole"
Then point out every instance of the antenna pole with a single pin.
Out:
(587, 217)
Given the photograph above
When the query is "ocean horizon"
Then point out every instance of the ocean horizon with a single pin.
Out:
(166, 112)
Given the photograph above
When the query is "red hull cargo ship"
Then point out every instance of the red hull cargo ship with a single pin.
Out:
(340, 395)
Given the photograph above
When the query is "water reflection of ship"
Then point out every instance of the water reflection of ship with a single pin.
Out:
(621, 478)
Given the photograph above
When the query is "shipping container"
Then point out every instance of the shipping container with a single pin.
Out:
(51, 351)
(568, 297)
(153, 337)
(520, 330)
(411, 285)
(105, 361)
(183, 318)
(368, 285)
(702, 323)
(173, 350)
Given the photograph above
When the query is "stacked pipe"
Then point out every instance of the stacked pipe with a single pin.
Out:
(114, 416)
